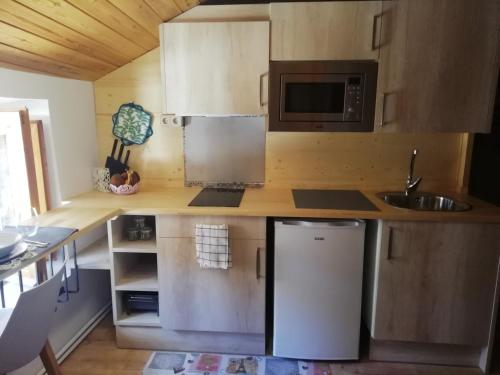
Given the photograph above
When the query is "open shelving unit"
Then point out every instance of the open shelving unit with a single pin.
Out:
(95, 256)
(142, 319)
(134, 268)
(136, 272)
(117, 232)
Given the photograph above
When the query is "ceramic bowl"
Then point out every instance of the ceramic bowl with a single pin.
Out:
(8, 241)
(124, 189)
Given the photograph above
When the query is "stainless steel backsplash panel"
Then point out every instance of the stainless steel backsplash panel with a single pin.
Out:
(224, 151)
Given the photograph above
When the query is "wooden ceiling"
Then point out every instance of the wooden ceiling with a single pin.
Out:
(81, 39)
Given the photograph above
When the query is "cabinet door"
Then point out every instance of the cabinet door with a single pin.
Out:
(438, 65)
(436, 282)
(212, 300)
(215, 68)
(341, 30)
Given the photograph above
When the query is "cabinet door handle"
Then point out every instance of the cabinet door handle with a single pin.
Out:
(382, 115)
(261, 88)
(375, 45)
(257, 264)
(389, 245)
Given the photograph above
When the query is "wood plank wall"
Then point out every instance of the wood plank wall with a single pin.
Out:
(292, 159)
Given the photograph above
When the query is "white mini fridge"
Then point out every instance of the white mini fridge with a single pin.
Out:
(318, 275)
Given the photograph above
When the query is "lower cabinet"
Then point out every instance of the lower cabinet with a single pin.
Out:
(434, 282)
(210, 310)
(212, 300)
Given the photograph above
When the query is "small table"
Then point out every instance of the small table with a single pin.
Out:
(82, 219)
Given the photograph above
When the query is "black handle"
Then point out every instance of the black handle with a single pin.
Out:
(113, 150)
(126, 157)
(389, 245)
(120, 153)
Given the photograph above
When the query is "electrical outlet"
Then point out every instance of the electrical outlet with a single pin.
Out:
(178, 121)
(171, 120)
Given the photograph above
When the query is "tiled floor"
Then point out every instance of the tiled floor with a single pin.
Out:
(98, 355)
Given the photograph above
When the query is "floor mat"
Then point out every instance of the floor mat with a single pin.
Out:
(173, 363)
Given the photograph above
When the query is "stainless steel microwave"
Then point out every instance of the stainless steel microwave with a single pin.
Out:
(322, 95)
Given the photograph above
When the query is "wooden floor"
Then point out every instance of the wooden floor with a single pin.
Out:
(98, 355)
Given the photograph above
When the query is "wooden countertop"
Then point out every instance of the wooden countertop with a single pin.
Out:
(81, 218)
(84, 219)
(82, 209)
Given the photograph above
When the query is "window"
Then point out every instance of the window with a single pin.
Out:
(15, 203)
(23, 183)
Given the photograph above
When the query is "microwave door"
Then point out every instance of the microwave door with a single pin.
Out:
(313, 97)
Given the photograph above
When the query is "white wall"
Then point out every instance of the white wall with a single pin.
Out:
(67, 110)
(69, 126)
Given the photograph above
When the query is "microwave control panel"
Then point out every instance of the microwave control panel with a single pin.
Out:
(353, 102)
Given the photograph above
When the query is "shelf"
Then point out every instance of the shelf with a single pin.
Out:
(143, 277)
(146, 319)
(125, 246)
(135, 272)
(95, 256)
(117, 232)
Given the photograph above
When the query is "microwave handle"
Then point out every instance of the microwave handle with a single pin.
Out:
(261, 86)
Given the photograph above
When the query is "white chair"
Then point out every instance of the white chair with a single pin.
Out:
(24, 329)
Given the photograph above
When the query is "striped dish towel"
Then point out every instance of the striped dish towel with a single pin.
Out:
(212, 246)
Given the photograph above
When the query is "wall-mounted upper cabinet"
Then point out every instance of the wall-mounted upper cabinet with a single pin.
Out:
(438, 65)
(340, 30)
(215, 68)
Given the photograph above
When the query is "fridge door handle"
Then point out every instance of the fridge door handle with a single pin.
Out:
(337, 223)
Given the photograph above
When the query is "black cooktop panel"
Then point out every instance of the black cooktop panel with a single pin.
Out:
(332, 200)
(218, 197)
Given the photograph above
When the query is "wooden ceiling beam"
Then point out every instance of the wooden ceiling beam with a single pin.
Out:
(28, 42)
(82, 39)
(72, 17)
(26, 19)
(21, 68)
(121, 22)
(186, 4)
(141, 13)
(12, 57)
(166, 9)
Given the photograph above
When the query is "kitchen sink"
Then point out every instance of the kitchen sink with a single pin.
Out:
(423, 201)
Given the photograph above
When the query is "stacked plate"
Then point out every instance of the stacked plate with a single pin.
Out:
(9, 242)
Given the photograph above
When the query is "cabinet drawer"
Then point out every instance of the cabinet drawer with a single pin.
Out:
(249, 228)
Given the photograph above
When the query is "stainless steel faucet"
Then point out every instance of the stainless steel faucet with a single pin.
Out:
(412, 183)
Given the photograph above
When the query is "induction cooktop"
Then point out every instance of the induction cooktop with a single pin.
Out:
(218, 197)
(332, 199)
